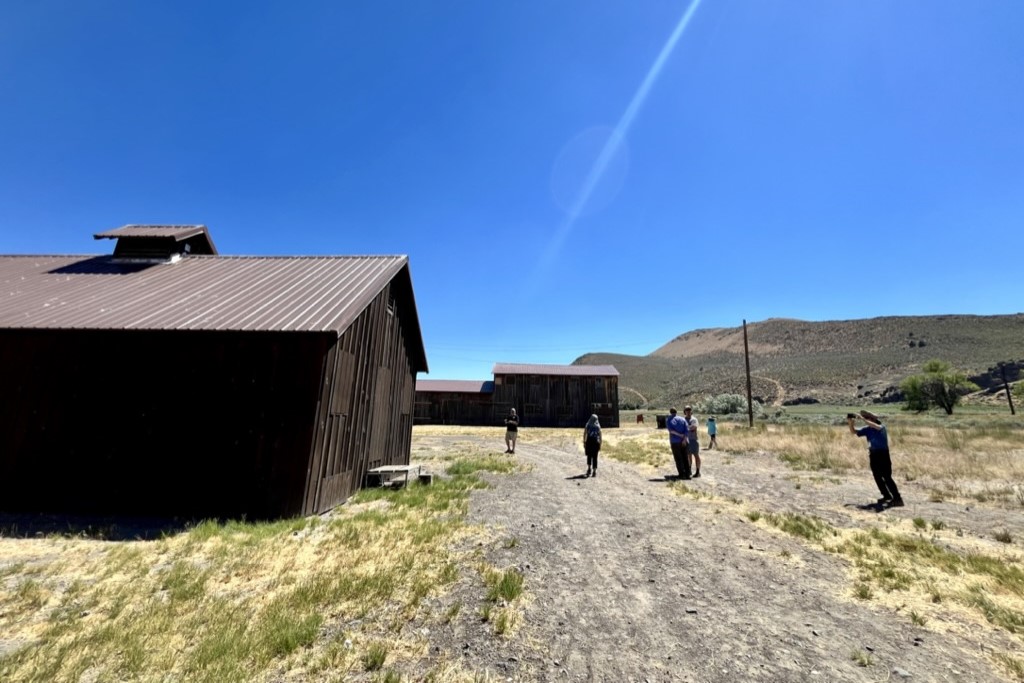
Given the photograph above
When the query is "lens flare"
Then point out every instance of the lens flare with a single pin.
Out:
(611, 147)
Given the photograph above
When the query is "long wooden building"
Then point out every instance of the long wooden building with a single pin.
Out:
(166, 379)
(543, 396)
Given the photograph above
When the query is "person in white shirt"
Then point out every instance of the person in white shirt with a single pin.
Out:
(694, 440)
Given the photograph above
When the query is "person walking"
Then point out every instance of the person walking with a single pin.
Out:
(878, 455)
(678, 438)
(693, 440)
(712, 432)
(592, 444)
(511, 431)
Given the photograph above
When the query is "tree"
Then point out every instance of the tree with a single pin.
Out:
(938, 385)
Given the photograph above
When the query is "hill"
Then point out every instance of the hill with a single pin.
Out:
(835, 362)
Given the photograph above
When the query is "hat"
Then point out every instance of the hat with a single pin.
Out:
(688, 408)
(868, 415)
(711, 418)
(672, 410)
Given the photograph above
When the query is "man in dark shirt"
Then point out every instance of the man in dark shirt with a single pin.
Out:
(878, 455)
(511, 431)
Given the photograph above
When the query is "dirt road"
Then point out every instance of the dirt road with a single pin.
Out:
(629, 581)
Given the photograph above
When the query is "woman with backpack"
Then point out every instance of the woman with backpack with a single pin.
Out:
(592, 444)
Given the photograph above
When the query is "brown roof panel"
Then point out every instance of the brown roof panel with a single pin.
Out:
(572, 370)
(178, 232)
(316, 293)
(153, 240)
(468, 386)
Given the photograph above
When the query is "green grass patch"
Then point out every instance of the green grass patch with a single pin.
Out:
(468, 466)
(637, 452)
(503, 621)
(1013, 665)
(998, 615)
(375, 656)
(184, 581)
(810, 528)
(504, 585)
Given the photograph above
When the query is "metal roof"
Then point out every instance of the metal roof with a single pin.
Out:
(141, 240)
(470, 386)
(178, 232)
(574, 370)
(254, 293)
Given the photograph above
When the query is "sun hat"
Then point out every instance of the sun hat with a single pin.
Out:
(868, 415)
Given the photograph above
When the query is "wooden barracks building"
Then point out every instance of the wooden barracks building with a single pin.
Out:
(167, 379)
(543, 396)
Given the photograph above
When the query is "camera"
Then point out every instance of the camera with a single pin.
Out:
(851, 416)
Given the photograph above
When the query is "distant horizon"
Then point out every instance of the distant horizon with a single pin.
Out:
(739, 326)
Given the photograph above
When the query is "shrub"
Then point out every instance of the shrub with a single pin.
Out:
(939, 385)
(726, 404)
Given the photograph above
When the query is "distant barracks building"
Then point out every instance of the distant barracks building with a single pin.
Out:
(543, 396)
(166, 379)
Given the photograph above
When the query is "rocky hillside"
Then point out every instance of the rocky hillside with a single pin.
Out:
(795, 361)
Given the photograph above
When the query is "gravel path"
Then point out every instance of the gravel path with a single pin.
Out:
(629, 581)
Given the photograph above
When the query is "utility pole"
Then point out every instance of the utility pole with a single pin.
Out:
(746, 356)
(1006, 386)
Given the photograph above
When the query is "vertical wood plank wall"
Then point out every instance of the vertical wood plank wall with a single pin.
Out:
(365, 411)
(455, 408)
(558, 400)
(540, 400)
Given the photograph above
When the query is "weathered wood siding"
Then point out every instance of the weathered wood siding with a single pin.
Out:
(157, 422)
(365, 409)
(455, 408)
(202, 424)
(557, 400)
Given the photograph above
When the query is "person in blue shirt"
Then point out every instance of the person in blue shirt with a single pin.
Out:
(678, 438)
(878, 455)
(712, 432)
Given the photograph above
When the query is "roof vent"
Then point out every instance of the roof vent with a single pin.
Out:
(159, 243)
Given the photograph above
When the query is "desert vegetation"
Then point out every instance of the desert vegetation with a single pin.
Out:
(923, 567)
(348, 594)
(938, 385)
(365, 592)
(830, 362)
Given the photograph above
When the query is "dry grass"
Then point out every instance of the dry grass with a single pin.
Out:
(245, 602)
(935, 576)
(956, 463)
(350, 593)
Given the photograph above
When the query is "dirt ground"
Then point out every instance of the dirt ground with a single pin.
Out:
(628, 580)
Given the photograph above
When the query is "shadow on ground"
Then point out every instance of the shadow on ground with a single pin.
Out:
(97, 528)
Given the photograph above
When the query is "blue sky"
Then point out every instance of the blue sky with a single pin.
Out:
(817, 160)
